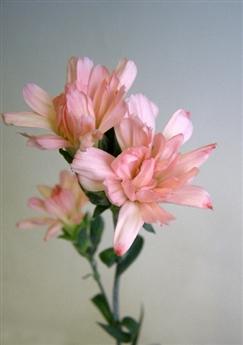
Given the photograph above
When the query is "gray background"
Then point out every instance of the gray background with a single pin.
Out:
(188, 55)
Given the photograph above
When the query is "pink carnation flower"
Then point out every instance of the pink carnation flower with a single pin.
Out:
(63, 203)
(149, 171)
(91, 104)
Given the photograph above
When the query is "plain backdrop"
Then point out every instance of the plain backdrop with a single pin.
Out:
(188, 278)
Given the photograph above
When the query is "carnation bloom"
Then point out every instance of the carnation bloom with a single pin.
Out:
(92, 103)
(63, 203)
(150, 170)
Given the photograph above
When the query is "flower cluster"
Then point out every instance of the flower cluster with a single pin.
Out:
(63, 203)
(148, 170)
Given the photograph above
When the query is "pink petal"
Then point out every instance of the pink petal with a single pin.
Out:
(151, 195)
(54, 207)
(145, 175)
(47, 141)
(32, 222)
(98, 74)
(72, 69)
(190, 196)
(90, 185)
(130, 132)
(81, 118)
(153, 213)
(144, 109)
(129, 189)
(126, 71)
(65, 200)
(112, 116)
(45, 191)
(84, 68)
(114, 191)
(93, 164)
(129, 223)
(38, 100)
(194, 158)
(126, 164)
(171, 147)
(179, 123)
(36, 204)
(26, 119)
(53, 230)
(176, 181)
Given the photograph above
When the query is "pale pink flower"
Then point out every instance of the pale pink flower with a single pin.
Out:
(91, 104)
(62, 203)
(149, 171)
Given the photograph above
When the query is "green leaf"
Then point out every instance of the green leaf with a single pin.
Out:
(101, 303)
(98, 198)
(131, 255)
(96, 231)
(132, 326)
(81, 238)
(148, 227)
(100, 209)
(140, 322)
(116, 332)
(108, 257)
(66, 155)
(65, 236)
(83, 242)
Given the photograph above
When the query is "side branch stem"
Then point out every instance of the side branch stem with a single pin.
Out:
(96, 276)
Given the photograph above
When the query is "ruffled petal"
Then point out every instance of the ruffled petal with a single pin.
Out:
(47, 141)
(153, 213)
(84, 68)
(190, 196)
(126, 71)
(131, 132)
(179, 123)
(90, 185)
(26, 119)
(98, 74)
(145, 175)
(129, 223)
(81, 118)
(93, 164)
(144, 109)
(115, 192)
(72, 69)
(38, 99)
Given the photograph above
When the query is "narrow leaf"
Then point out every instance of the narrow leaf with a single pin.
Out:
(132, 326)
(131, 255)
(81, 239)
(148, 227)
(101, 303)
(98, 198)
(108, 257)
(140, 322)
(96, 231)
(116, 333)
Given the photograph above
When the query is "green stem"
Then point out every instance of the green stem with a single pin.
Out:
(96, 276)
(116, 284)
(116, 295)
